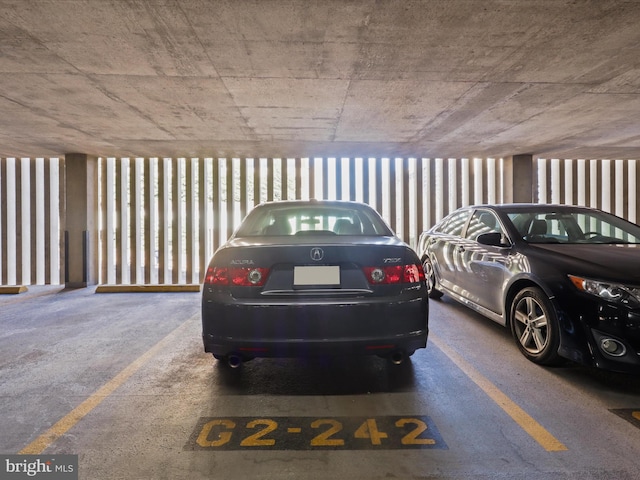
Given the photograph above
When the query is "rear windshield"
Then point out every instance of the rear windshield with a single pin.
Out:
(277, 220)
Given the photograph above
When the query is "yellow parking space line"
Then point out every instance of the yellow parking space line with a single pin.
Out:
(522, 418)
(63, 425)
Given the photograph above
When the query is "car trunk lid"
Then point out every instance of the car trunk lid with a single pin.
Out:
(308, 268)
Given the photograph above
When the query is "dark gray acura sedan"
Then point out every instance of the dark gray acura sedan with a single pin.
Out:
(564, 279)
(307, 278)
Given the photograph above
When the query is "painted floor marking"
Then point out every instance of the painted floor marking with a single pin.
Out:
(63, 425)
(388, 432)
(522, 418)
(631, 415)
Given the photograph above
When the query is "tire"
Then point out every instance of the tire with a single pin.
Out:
(430, 278)
(534, 326)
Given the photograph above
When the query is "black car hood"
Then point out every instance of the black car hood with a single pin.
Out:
(615, 262)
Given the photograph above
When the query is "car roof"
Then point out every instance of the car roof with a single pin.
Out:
(312, 202)
(529, 207)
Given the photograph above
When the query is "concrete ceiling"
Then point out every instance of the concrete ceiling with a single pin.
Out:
(302, 78)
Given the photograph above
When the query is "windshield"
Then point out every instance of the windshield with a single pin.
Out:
(574, 226)
(310, 219)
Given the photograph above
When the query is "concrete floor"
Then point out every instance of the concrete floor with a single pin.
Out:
(121, 380)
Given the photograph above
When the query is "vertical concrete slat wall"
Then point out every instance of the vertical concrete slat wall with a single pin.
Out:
(609, 185)
(137, 186)
(175, 245)
(30, 229)
(191, 217)
(149, 239)
(161, 218)
(164, 180)
(189, 206)
(3, 223)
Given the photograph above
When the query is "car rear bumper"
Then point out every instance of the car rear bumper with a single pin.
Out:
(358, 327)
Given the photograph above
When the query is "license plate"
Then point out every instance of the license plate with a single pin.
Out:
(325, 275)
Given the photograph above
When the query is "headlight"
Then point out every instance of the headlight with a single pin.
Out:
(612, 292)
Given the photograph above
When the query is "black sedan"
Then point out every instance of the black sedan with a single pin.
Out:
(564, 279)
(308, 278)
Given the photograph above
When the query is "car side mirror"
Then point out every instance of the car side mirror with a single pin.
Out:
(493, 239)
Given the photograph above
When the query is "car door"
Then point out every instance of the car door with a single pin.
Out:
(443, 249)
(483, 269)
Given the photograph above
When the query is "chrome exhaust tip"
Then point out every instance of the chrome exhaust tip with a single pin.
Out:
(397, 357)
(234, 361)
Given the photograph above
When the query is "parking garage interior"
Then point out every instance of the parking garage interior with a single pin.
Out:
(135, 136)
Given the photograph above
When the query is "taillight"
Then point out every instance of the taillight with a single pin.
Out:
(239, 277)
(216, 276)
(394, 274)
(413, 274)
(383, 275)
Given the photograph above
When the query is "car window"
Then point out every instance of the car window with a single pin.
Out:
(482, 221)
(308, 219)
(574, 226)
(453, 224)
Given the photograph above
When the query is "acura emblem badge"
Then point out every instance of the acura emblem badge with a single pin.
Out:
(317, 254)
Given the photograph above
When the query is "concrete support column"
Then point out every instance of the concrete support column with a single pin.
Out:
(81, 220)
(519, 179)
